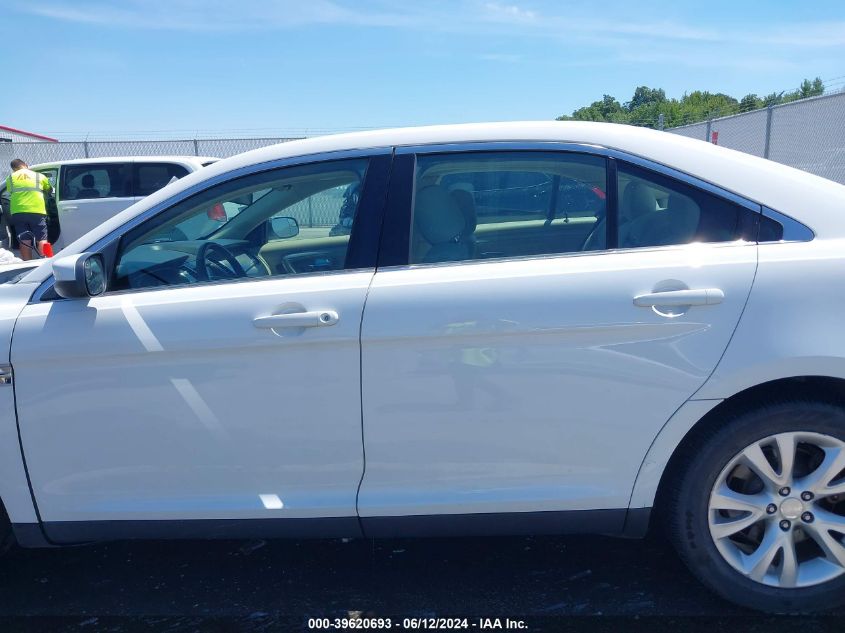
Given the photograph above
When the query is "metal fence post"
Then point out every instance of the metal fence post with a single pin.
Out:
(85, 145)
(660, 122)
(768, 131)
(707, 132)
(196, 148)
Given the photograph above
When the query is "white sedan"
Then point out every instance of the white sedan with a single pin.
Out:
(488, 329)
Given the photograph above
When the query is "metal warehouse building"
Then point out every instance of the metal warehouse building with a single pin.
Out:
(13, 135)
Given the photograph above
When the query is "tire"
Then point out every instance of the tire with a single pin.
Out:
(5, 233)
(7, 537)
(802, 576)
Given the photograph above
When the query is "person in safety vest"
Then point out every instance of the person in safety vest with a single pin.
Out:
(27, 205)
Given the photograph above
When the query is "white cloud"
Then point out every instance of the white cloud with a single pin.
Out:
(213, 15)
(509, 13)
(555, 21)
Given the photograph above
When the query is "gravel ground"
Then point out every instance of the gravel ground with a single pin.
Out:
(574, 583)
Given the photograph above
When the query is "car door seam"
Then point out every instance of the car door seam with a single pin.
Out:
(384, 211)
(706, 380)
(20, 437)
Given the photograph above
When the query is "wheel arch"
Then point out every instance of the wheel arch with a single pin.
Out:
(679, 437)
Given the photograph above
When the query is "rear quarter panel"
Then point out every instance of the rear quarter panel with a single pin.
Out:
(794, 322)
(793, 325)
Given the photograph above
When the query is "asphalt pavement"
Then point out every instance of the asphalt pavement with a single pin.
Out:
(575, 583)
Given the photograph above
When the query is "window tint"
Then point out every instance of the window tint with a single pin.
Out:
(83, 182)
(770, 230)
(506, 204)
(658, 211)
(150, 177)
(281, 222)
(50, 174)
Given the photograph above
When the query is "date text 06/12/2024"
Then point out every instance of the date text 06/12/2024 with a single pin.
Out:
(415, 624)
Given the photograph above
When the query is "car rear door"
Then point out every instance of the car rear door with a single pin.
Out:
(536, 383)
(90, 194)
(232, 403)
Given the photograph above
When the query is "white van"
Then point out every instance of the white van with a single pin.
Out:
(89, 191)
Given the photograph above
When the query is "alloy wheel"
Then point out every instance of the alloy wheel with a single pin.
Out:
(777, 510)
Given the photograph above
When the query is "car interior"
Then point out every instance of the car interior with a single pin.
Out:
(258, 235)
(466, 207)
(482, 209)
(537, 207)
(85, 182)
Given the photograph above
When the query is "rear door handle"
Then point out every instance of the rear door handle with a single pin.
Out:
(700, 297)
(318, 318)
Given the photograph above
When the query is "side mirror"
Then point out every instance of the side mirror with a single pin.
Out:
(284, 227)
(78, 276)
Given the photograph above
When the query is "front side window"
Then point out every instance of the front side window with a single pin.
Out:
(87, 182)
(282, 222)
(482, 205)
(150, 177)
(655, 210)
(49, 174)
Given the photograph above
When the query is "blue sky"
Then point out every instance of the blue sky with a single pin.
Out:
(100, 67)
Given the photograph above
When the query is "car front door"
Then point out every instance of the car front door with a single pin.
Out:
(52, 174)
(219, 386)
(510, 375)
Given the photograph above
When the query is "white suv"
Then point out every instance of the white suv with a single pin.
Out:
(89, 191)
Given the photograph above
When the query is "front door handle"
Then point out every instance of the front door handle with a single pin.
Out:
(318, 318)
(700, 297)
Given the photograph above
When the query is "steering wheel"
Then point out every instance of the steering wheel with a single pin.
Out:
(223, 254)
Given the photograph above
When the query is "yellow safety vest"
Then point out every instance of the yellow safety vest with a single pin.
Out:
(26, 192)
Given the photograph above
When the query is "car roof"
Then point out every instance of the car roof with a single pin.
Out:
(193, 160)
(815, 201)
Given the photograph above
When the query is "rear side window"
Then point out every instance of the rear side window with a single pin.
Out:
(86, 182)
(150, 177)
(484, 205)
(655, 210)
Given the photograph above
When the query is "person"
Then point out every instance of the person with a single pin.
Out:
(27, 205)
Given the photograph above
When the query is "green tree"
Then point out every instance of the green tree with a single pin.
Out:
(647, 104)
(608, 109)
(773, 99)
(644, 96)
(750, 102)
(811, 88)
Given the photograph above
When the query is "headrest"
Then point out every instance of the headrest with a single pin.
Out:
(437, 215)
(637, 200)
(684, 210)
(88, 181)
(466, 203)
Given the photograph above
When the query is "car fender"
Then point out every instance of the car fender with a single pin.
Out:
(14, 485)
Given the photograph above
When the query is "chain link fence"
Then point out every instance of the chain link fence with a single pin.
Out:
(41, 152)
(316, 212)
(808, 134)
